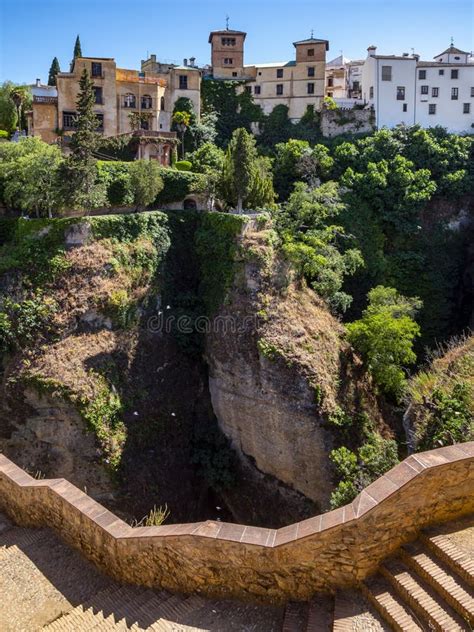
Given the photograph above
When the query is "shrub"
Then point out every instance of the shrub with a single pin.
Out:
(183, 165)
(384, 337)
(145, 182)
(4, 134)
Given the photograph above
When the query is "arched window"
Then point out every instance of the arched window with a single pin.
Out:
(129, 100)
(146, 102)
(162, 103)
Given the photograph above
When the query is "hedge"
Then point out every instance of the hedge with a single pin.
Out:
(177, 184)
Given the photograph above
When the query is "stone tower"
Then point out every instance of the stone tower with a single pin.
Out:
(227, 54)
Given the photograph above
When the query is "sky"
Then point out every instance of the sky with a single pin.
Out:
(32, 32)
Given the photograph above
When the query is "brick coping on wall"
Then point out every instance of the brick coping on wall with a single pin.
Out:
(370, 498)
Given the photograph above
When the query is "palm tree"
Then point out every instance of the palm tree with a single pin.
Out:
(18, 95)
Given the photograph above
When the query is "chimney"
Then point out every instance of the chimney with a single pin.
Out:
(185, 62)
(153, 57)
(192, 61)
(371, 51)
(416, 58)
(38, 83)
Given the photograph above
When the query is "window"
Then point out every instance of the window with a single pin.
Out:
(234, 74)
(454, 73)
(472, 92)
(401, 93)
(257, 90)
(162, 103)
(129, 100)
(457, 57)
(441, 72)
(405, 107)
(100, 120)
(279, 73)
(228, 61)
(310, 88)
(145, 123)
(432, 108)
(146, 102)
(310, 52)
(279, 89)
(228, 41)
(183, 82)
(329, 94)
(386, 73)
(424, 90)
(311, 71)
(371, 92)
(98, 95)
(96, 69)
(466, 108)
(356, 86)
(422, 74)
(330, 82)
(454, 94)
(69, 120)
(248, 89)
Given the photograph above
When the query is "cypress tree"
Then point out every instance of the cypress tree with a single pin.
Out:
(81, 164)
(77, 52)
(53, 71)
(77, 48)
(240, 165)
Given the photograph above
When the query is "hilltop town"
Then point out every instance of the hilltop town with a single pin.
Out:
(236, 350)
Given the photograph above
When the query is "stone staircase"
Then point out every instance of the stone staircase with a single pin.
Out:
(45, 585)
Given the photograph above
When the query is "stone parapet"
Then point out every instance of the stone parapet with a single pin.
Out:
(324, 553)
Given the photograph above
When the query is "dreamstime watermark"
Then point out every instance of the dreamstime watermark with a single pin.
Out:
(165, 323)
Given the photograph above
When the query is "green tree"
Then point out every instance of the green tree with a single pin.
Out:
(77, 51)
(145, 182)
(207, 158)
(81, 170)
(316, 245)
(285, 165)
(384, 337)
(181, 121)
(8, 112)
(32, 180)
(53, 71)
(239, 166)
(19, 96)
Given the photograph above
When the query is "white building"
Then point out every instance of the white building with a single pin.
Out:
(403, 89)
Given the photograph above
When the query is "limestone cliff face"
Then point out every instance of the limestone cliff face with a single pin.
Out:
(49, 439)
(278, 368)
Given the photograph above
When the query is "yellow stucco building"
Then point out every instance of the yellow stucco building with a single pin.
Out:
(149, 93)
(296, 83)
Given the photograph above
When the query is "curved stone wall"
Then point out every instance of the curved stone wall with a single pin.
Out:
(329, 551)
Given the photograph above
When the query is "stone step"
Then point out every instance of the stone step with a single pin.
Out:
(422, 598)
(295, 617)
(454, 590)
(227, 615)
(12, 540)
(91, 613)
(352, 613)
(458, 559)
(390, 605)
(320, 614)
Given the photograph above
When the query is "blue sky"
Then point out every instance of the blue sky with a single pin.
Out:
(32, 32)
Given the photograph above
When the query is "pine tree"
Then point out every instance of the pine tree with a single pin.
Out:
(53, 71)
(81, 165)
